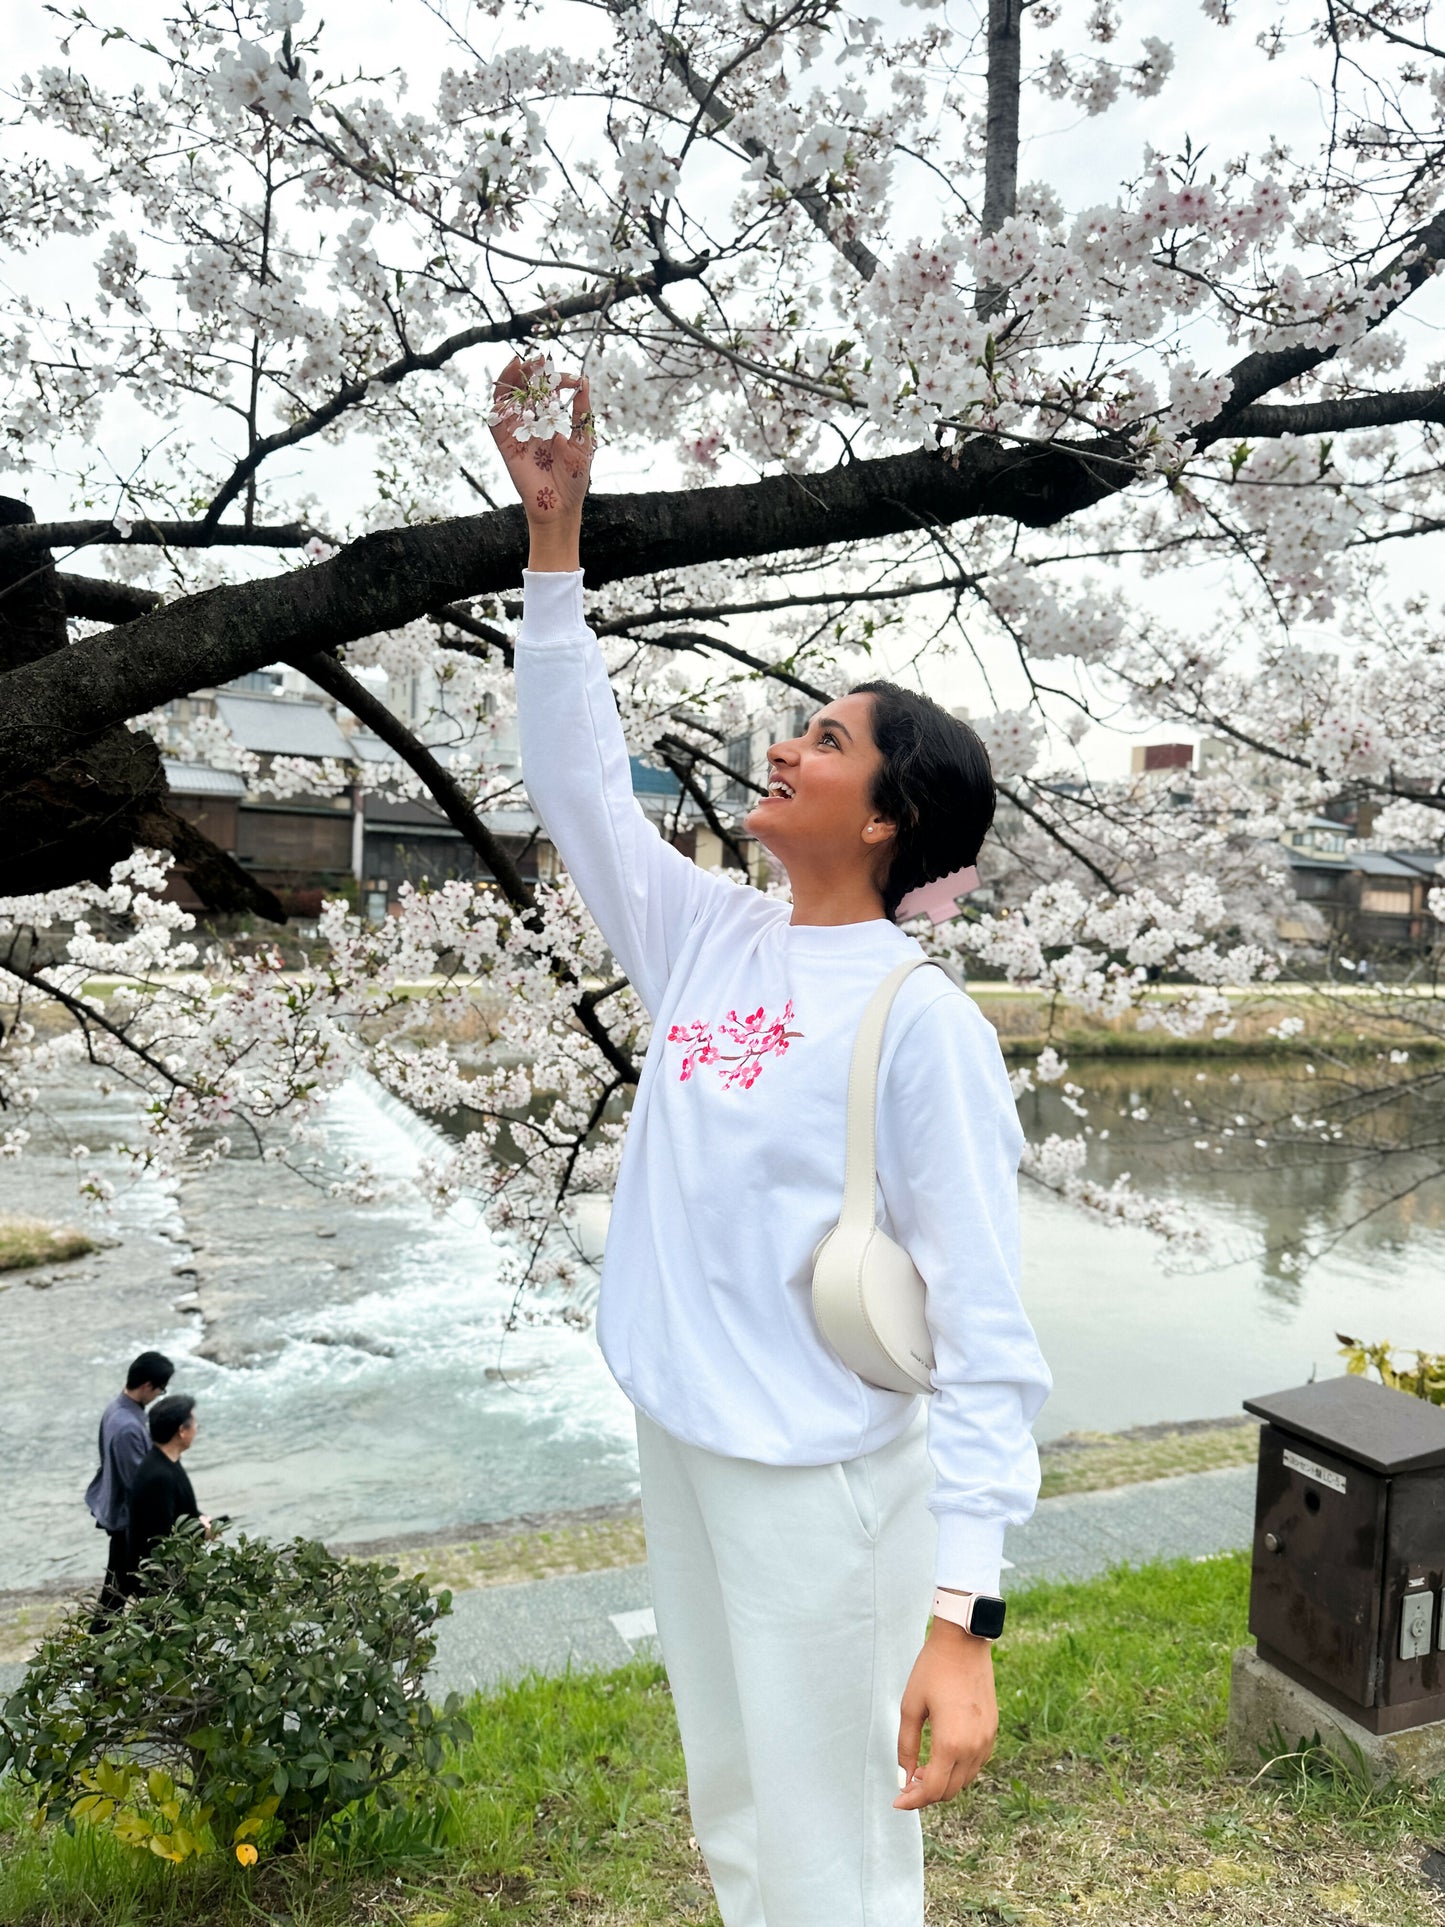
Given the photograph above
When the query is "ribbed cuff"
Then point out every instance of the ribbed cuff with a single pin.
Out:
(970, 1552)
(552, 606)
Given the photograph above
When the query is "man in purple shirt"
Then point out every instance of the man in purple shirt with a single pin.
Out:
(124, 1443)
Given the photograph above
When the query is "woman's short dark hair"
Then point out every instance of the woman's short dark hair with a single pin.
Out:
(168, 1415)
(934, 783)
(151, 1368)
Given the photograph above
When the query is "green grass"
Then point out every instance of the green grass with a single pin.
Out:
(26, 1242)
(1110, 1798)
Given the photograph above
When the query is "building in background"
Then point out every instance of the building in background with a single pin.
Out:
(1146, 759)
(302, 847)
(342, 838)
(1371, 900)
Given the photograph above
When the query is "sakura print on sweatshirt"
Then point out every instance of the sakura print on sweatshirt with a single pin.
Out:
(746, 1045)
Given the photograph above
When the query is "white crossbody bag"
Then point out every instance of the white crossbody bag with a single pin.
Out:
(868, 1298)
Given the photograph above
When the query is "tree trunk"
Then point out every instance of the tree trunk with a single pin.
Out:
(102, 795)
(1001, 166)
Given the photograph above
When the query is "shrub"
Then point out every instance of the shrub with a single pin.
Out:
(253, 1694)
(1424, 1379)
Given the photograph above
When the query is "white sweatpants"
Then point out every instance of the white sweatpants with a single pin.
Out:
(791, 1604)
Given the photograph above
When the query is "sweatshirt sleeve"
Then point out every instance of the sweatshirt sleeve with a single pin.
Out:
(645, 895)
(948, 1151)
(128, 1452)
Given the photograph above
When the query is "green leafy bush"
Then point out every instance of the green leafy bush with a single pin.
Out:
(256, 1692)
(1424, 1379)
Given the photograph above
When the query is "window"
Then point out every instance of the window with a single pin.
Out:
(1315, 884)
(1386, 899)
(739, 757)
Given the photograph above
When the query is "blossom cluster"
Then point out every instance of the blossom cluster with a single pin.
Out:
(295, 265)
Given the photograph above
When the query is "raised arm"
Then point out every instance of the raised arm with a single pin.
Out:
(645, 896)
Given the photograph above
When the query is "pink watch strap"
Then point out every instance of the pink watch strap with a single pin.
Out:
(954, 1606)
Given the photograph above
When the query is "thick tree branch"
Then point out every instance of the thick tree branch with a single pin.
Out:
(81, 814)
(36, 537)
(1258, 374)
(392, 577)
(94, 599)
(328, 674)
(1339, 415)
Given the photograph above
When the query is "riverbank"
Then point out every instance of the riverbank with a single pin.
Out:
(1335, 1019)
(1110, 1798)
(509, 1552)
(1286, 1021)
(335, 1348)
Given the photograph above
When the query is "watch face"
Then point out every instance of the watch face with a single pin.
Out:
(986, 1619)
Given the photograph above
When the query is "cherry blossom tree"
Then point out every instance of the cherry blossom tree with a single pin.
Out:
(1167, 454)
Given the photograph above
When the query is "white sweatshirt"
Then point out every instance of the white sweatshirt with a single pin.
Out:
(733, 1164)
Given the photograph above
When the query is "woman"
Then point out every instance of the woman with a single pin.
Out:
(787, 1502)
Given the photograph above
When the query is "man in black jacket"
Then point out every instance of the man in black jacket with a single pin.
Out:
(123, 1445)
(162, 1495)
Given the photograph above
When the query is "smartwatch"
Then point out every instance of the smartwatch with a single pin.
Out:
(979, 1613)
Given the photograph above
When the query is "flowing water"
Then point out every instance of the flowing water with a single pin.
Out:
(355, 1381)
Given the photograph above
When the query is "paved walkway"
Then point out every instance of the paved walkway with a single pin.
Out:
(598, 1619)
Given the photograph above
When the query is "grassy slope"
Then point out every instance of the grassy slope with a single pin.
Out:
(1109, 1799)
(1094, 1461)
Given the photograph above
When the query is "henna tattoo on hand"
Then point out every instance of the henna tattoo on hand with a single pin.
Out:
(542, 455)
(546, 498)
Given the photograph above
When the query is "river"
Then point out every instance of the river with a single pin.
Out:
(355, 1381)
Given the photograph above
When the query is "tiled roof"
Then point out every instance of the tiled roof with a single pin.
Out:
(1371, 863)
(273, 726)
(199, 779)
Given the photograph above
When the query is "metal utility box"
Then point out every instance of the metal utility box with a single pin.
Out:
(1347, 1591)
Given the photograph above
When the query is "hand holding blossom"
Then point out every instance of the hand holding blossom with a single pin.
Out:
(546, 438)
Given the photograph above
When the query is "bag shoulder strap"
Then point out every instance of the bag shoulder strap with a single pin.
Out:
(860, 1171)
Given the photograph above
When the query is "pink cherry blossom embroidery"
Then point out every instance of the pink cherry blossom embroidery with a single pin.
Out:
(757, 1037)
(701, 1049)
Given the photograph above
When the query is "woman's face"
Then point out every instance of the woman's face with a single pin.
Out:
(818, 804)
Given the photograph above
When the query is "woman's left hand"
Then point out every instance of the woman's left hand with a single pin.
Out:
(951, 1689)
